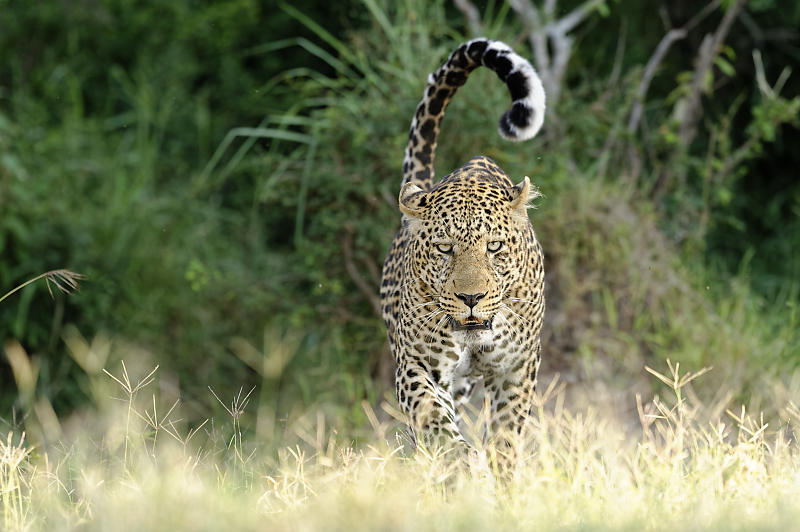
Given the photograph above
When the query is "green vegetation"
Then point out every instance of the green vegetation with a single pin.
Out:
(225, 177)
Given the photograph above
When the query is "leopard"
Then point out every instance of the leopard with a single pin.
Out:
(462, 286)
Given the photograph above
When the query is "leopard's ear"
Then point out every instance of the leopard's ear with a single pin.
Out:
(520, 194)
(521, 197)
(412, 200)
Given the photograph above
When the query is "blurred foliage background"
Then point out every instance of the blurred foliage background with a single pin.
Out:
(225, 175)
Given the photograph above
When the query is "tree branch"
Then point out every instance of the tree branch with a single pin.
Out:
(705, 61)
(568, 22)
(619, 55)
(368, 291)
(550, 40)
(472, 15)
(658, 56)
(537, 37)
(649, 73)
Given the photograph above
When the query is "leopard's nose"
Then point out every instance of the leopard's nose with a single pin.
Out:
(470, 299)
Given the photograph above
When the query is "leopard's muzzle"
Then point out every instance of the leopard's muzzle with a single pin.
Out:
(471, 324)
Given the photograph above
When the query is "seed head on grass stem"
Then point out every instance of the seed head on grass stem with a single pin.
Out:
(131, 390)
(125, 381)
(677, 381)
(237, 404)
(155, 423)
(64, 280)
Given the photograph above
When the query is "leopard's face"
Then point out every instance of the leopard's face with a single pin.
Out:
(469, 242)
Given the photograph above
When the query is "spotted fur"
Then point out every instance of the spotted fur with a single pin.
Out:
(463, 283)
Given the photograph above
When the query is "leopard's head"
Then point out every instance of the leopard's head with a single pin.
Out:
(469, 239)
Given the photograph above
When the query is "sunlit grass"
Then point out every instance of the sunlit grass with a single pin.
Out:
(681, 465)
(13, 458)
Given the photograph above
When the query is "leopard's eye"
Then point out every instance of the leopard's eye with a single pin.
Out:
(445, 248)
(494, 245)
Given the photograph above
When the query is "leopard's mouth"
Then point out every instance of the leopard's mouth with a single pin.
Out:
(471, 324)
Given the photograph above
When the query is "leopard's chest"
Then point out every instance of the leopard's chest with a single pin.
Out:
(466, 353)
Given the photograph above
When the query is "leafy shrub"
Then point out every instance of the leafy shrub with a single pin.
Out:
(217, 205)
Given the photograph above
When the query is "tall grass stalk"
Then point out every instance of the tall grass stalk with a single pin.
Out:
(13, 504)
(235, 411)
(130, 390)
(684, 465)
(65, 281)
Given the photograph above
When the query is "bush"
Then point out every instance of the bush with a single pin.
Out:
(217, 207)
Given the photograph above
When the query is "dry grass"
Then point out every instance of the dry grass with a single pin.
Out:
(65, 281)
(685, 466)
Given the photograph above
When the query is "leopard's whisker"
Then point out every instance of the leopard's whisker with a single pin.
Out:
(415, 307)
(408, 282)
(522, 300)
(438, 324)
(513, 312)
(510, 326)
(432, 315)
(422, 305)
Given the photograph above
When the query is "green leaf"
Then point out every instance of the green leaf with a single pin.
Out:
(725, 66)
(729, 52)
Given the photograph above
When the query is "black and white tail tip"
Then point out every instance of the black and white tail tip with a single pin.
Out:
(525, 117)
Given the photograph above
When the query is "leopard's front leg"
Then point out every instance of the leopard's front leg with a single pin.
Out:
(511, 400)
(426, 399)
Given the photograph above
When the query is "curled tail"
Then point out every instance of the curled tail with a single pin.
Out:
(521, 122)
